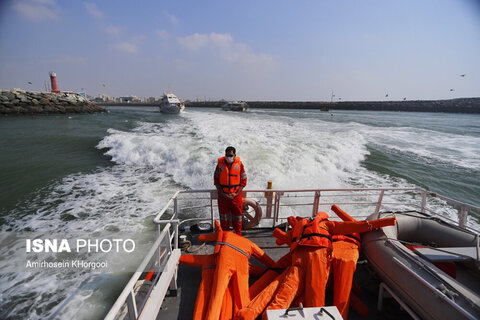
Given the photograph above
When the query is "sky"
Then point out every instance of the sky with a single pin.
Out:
(272, 50)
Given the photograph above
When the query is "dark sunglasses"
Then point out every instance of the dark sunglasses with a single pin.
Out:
(229, 155)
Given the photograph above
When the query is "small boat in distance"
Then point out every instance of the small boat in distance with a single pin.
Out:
(170, 103)
(235, 106)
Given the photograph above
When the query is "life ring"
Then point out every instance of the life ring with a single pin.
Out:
(249, 221)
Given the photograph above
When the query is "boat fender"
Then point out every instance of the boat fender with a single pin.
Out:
(249, 221)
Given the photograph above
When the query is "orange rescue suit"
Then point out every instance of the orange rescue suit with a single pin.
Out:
(233, 252)
(310, 266)
(207, 263)
(314, 233)
(229, 178)
(344, 262)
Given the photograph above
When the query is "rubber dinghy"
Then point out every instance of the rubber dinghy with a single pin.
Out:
(430, 264)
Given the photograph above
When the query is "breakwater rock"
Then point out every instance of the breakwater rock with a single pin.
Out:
(462, 105)
(28, 102)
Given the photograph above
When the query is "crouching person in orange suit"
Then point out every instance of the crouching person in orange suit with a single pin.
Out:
(207, 263)
(289, 285)
(311, 245)
(346, 249)
(232, 255)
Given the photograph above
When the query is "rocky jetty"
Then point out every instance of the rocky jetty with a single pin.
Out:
(462, 105)
(15, 102)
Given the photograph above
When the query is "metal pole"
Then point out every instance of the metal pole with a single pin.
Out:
(212, 196)
(316, 201)
(132, 306)
(379, 204)
(269, 196)
(156, 259)
(462, 216)
(276, 208)
(175, 235)
(424, 202)
(175, 224)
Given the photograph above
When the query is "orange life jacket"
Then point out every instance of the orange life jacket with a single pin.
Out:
(229, 177)
(312, 233)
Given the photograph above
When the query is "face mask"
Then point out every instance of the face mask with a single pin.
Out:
(229, 159)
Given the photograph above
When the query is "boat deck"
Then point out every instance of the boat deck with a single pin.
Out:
(168, 296)
(182, 305)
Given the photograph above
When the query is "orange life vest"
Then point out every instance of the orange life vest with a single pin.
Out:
(229, 177)
(312, 233)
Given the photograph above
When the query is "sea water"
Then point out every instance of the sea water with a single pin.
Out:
(84, 174)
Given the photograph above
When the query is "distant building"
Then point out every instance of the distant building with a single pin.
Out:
(126, 99)
(129, 99)
(104, 98)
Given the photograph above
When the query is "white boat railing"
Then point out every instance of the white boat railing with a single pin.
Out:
(164, 254)
(165, 263)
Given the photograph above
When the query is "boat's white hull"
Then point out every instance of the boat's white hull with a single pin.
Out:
(172, 109)
(235, 108)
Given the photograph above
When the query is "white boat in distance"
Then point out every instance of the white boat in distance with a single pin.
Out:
(235, 106)
(170, 103)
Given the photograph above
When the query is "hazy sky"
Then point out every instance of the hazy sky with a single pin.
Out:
(249, 50)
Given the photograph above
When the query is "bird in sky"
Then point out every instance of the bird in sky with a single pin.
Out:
(29, 82)
(404, 99)
(452, 90)
(462, 75)
(386, 95)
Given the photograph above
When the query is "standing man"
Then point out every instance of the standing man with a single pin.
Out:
(230, 179)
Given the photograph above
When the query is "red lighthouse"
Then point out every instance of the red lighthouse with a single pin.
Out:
(53, 80)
